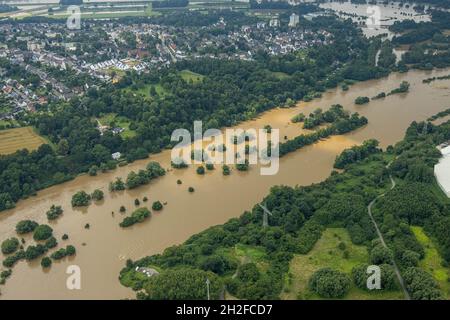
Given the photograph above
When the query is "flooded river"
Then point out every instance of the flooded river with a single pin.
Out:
(216, 198)
(388, 14)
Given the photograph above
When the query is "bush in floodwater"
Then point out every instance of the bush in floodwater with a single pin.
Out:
(137, 216)
(201, 170)
(80, 199)
(54, 212)
(10, 245)
(26, 226)
(362, 100)
(42, 232)
(157, 206)
(97, 195)
(46, 262)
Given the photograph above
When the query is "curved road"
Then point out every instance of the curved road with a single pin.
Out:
(380, 235)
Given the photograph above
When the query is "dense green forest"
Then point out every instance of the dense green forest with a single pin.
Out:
(301, 214)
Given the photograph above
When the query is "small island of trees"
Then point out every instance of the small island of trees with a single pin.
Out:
(201, 170)
(404, 87)
(54, 212)
(63, 252)
(157, 206)
(137, 216)
(42, 232)
(46, 262)
(26, 226)
(10, 245)
(97, 195)
(81, 199)
(226, 170)
(142, 177)
(362, 100)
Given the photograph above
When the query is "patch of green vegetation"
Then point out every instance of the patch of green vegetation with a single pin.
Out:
(9, 123)
(112, 120)
(106, 119)
(253, 254)
(439, 193)
(280, 75)
(115, 71)
(145, 90)
(432, 262)
(123, 122)
(188, 75)
(359, 175)
(160, 90)
(46, 139)
(132, 277)
(326, 252)
(128, 279)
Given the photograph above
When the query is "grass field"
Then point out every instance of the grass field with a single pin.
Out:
(432, 262)
(119, 121)
(245, 254)
(145, 90)
(327, 254)
(12, 140)
(280, 75)
(189, 75)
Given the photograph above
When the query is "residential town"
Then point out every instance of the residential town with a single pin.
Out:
(61, 63)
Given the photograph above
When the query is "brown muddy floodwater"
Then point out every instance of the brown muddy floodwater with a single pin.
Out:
(216, 198)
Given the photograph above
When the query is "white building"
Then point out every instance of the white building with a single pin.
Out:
(442, 169)
(116, 155)
(274, 22)
(294, 19)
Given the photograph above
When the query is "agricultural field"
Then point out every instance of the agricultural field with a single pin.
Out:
(432, 263)
(12, 140)
(327, 254)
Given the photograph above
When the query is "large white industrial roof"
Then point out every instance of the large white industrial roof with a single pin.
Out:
(445, 151)
(442, 171)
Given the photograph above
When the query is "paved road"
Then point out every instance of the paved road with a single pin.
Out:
(380, 235)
